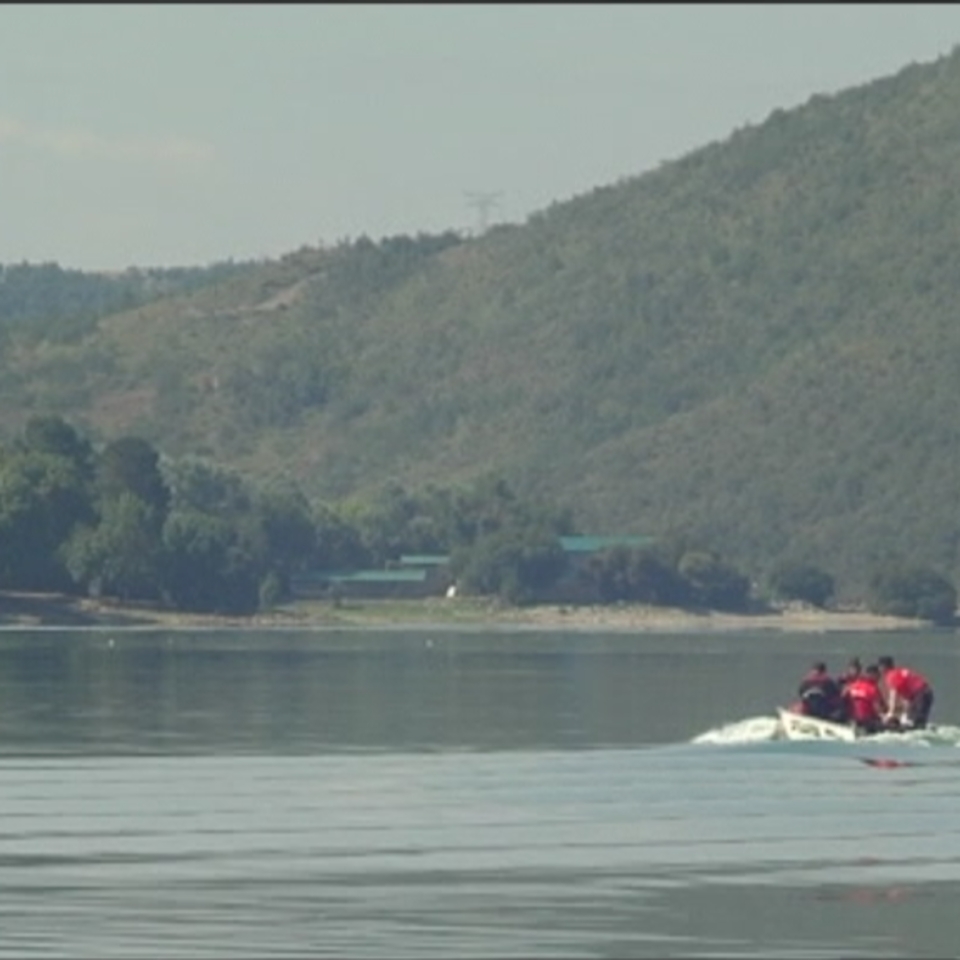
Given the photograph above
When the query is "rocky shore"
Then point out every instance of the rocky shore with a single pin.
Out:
(19, 611)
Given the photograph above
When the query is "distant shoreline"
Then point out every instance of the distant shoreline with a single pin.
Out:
(26, 611)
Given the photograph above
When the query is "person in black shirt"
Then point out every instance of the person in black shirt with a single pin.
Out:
(820, 695)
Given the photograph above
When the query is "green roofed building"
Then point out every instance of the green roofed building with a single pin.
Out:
(423, 559)
(392, 582)
(361, 583)
(580, 545)
(428, 575)
(379, 576)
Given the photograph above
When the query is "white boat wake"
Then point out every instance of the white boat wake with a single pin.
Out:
(764, 729)
(750, 730)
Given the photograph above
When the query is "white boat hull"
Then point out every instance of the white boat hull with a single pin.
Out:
(796, 726)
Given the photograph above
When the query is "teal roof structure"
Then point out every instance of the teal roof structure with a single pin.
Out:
(593, 544)
(424, 559)
(408, 575)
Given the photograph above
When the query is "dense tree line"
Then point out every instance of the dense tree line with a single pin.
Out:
(123, 522)
(117, 522)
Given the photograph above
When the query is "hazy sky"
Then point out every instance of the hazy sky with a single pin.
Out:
(186, 134)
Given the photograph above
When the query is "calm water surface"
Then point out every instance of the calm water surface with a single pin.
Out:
(469, 794)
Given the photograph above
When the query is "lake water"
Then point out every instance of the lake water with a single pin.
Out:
(463, 794)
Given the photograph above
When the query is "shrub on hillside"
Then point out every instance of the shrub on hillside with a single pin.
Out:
(713, 582)
(801, 581)
(912, 591)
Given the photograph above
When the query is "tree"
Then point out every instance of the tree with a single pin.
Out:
(462, 516)
(131, 465)
(230, 548)
(210, 565)
(713, 583)
(337, 544)
(801, 581)
(904, 590)
(52, 435)
(43, 497)
(381, 522)
(122, 555)
(606, 573)
(284, 516)
(514, 564)
(622, 573)
(395, 521)
(195, 484)
(655, 580)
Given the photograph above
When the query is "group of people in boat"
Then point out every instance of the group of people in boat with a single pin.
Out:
(880, 696)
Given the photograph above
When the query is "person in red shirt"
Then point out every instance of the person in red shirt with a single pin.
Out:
(909, 694)
(865, 703)
(853, 670)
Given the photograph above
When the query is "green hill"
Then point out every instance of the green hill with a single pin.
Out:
(756, 347)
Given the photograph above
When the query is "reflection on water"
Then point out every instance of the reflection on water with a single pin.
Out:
(303, 692)
(373, 795)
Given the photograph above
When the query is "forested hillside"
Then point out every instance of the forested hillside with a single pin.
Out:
(754, 348)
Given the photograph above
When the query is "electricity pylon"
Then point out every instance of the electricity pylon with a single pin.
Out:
(484, 203)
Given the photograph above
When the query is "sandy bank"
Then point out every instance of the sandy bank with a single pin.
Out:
(659, 619)
(34, 610)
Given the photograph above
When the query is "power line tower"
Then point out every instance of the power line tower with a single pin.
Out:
(483, 203)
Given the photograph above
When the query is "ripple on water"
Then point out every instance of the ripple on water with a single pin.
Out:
(533, 853)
